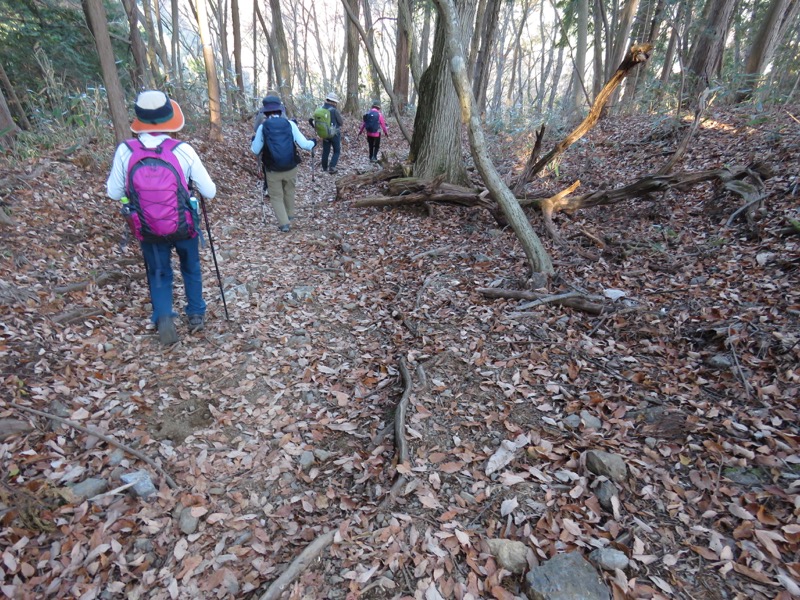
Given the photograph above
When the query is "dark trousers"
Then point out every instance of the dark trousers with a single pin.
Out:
(374, 146)
(335, 144)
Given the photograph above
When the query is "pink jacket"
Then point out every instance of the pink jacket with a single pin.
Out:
(382, 122)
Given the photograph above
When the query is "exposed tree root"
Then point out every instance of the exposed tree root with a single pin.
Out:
(315, 548)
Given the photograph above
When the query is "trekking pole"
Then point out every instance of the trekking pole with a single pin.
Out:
(313, 169)
(214, 255)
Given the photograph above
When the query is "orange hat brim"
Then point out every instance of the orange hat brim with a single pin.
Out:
(176, 123)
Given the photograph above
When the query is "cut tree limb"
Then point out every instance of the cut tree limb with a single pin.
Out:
(637, 55)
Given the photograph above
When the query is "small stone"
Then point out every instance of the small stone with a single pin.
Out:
(88, 488)
(306, 459)
(346, 248)
(572, 421)
(467, 497)
(303, 293)
(142, 484)
(510, 554)
(116, 457)
(216, 491)
(719, 361)
(607, 464)
(322, 455)
(605, 492)
(609, 559)
(590, 421)
(651, 442)
(143, 545)
(187, 523)
(565, 577)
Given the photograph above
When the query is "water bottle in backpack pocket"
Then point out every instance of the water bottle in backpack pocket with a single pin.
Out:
(160, 207)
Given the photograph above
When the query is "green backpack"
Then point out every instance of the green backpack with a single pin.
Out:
(322, 123)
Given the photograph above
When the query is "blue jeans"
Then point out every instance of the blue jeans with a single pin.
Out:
(158, 258)
(336, 143)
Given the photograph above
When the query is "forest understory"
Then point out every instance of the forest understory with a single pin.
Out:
(276, 427)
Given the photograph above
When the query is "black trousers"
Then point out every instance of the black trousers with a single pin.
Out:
(374, 145)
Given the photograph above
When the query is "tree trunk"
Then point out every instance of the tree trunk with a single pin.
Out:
(402, 56)
(436, 145)
(220, 12)
(256, 51)
(645, 29)
(538, 259)
(8, 128)
(14, 105)
(351, 106)
(779, 14)
(162, 47)
(98, 24)
(622, 37)
(237, 55)
(488, 28)
(578, 87)
(141, 73)
(360, 31)
(152, 44)
(215, 114)
(283, 70)
(709, 45)
(177, 64)
(374, 78)
(599, 15)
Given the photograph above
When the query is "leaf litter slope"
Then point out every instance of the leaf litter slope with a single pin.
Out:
(276, 425)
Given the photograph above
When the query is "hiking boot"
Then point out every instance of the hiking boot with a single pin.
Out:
(167, 334)
(284, 228)
(332, 171)
(196, 323)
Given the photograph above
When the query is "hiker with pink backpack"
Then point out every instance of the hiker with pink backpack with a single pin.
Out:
(152, 176)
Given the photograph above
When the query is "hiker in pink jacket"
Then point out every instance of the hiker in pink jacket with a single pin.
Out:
(373, 123)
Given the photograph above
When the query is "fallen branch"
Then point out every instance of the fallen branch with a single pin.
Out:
(578, 301)
(99, 435)
(101, 279)
(298, 565)
(79, 314)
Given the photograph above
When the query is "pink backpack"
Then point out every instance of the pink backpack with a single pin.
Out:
(158, 194)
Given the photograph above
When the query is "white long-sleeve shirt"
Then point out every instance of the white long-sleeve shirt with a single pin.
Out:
(193, 168)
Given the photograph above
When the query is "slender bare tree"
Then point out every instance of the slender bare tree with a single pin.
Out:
(214, 108)
(280, 56)
(96, 18)
(538, 259)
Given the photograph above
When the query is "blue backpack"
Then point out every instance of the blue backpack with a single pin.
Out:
(372, 122)
(280, 152)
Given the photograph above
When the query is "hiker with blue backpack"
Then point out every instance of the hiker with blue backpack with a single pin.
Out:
(373, 122)
(152, 176)
(327, 122)
(261, 115)
(276, 139)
